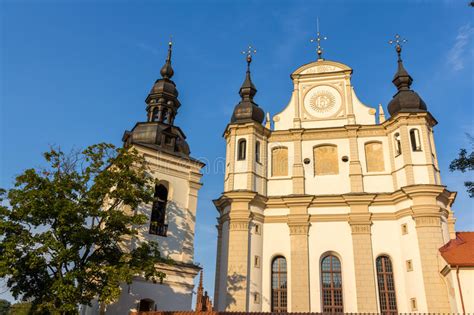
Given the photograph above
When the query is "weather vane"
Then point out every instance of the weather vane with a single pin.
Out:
(249, 52)
(318, 40)
(398, 41)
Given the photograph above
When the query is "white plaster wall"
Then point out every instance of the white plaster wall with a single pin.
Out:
(331, 237)
(240, 181)
(284, 119)
(387, 239)
(362, 112)
(276, 241)
(167, 297)
(466, 277)
(326, 123)
(326, 184)
(421, 174)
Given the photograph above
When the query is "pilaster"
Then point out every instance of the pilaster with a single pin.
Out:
(355, 168)
(298, 171)
(360, 222)
(298, 222)
(218, 263)
(238, 260)
(427, 215)
(406, 153)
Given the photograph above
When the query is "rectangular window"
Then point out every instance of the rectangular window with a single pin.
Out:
(404, 229)
(280, 161)
(256, 298)
(256, 262)
(257, 151)
(409, 265)
(414, 307)
(257, 229)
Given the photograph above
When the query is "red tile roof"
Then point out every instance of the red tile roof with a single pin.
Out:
(459, 251)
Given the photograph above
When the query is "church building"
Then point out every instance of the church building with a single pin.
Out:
(331, 206)
(172, 214)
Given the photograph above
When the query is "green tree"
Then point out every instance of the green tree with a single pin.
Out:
(63, 229)
(465, 162)
(21, 308)
(4, 307)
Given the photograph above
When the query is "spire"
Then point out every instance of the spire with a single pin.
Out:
(247, 110)
(167, 70)
(199, 295)
(381, 114)
(318, 39)
(405, 100)
(402, 80)
(248, 90)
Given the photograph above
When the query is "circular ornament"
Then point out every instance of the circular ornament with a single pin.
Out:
(322, 101)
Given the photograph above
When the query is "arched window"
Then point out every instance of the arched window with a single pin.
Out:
(146, 305)
(388, 301)
(415, 140)
(280, 161)
(242, 147)
(154, 116)
(279, 285)
(158, 211)
(331, 282)
(257, 151)
(398, 144)
(325, 160)
(374, 157)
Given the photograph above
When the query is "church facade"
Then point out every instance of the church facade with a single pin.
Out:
(331, 207)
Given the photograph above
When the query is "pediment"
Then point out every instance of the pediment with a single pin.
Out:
(320, 67)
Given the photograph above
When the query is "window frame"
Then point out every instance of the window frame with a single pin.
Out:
(366, 144)
(158, 224)
(315, 160)
(385, 291)
(415, 140)
(333, 307)
(282, 293)
(257, 151)
(241, 151)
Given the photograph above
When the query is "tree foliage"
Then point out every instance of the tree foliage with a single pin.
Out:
(63, 228)
(464, 163)
(4, 307)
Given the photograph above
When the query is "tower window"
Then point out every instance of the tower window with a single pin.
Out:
(242, 147)
(279, 285)
(415, 140)
(404, 229)
(256, 298)
(257, 151)
(374, 157)
(398, 144)
(331, 281)
(280, 161)
(325, 160)
(386, 285)
(256, 261)
(158, 211)
(154, 116)
(409, 265)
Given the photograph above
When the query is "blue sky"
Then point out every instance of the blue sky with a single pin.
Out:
(77, 73)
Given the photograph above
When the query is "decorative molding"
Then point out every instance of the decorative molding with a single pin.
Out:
(360, 228)
(298, 229)
(238, 225)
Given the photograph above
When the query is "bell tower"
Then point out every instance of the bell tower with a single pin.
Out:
(172, 215)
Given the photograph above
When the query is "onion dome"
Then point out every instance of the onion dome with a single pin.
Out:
(405, 100)
(159, 131)
(247, 110)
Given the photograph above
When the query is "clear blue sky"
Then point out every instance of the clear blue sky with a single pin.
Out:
(75, 73)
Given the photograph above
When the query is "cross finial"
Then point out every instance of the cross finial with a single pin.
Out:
(249, 52)
(170, 47)
(398, 41)
(318, 40)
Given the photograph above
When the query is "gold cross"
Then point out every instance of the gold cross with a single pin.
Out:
(249, 52)
(318, 40)
(398, 41)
